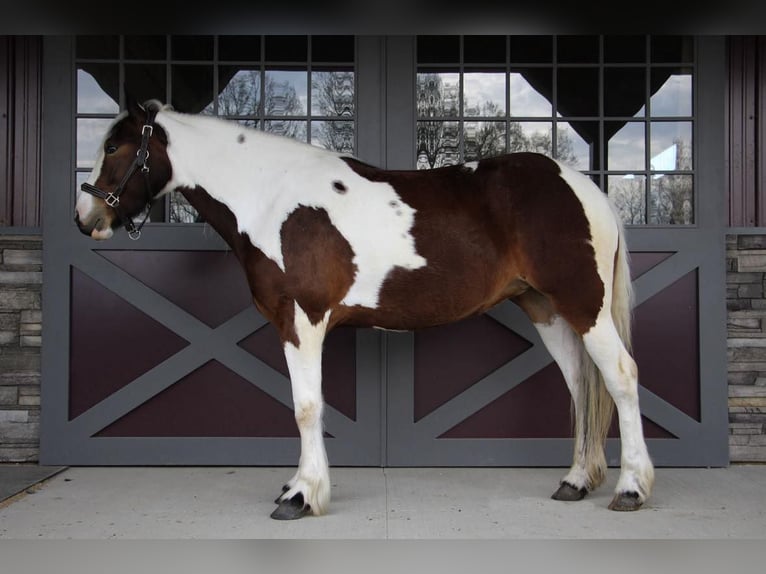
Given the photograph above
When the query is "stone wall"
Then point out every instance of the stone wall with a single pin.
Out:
(746, 304)
(20, 340)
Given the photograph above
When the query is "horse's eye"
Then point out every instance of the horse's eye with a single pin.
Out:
(111, 149)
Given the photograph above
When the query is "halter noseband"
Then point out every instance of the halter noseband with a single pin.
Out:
(112, 199)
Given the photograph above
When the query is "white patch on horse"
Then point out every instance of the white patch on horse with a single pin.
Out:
(472, 165)
(264, 179)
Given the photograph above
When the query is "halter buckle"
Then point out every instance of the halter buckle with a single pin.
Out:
(134, 234)
(147, 130)
(112, 200)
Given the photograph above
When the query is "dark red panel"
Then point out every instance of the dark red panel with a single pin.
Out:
(210, 285)
(451, 358)
(338, 363)
(210, 401)
(643, 261)
(666, 345)
(111, 343)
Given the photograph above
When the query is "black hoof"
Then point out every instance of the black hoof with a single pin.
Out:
(569, 493)
(278, 499)
(291, 509)
(625, 502)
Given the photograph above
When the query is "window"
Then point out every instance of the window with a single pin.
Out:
(618, 108)
(301, 87)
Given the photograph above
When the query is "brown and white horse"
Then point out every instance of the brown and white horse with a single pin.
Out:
(327, 240)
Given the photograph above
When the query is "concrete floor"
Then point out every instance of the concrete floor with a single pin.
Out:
(376, 503)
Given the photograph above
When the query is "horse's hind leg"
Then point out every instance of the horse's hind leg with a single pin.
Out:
(309, 490)
(621, 377)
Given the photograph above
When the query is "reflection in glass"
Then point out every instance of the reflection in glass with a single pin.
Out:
(286, 93)
(484, 94)
(289, 128)
(578, 91)
(438, 94)
(181, 210)
(625, 150)
(240, 91)
(193, 89)
(91, 97)
(90, 137)
(671, 146)
(674, 95)
(671, 200)
(525, 99)
(572, 149)
(624, 92)
(335, 136)
(628, 192)
(248, 123)
(483, 139)
(438, 144)
(531, 136)
(332, 93)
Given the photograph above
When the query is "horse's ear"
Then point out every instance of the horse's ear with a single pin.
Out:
(134, 108)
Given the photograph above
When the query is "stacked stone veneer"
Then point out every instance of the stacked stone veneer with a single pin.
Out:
(20, 340)
(746, 303)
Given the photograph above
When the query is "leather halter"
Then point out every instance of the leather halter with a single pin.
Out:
(112, 199)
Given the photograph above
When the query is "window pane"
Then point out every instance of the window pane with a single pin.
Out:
(629, 195)
(332, 93)
(624, 49)
(483, 139)
(289, 128)
(573, 149)
(531, 92)
(626, 146)
(531, 136)
(92, 98)
(191, 47)
(484, 94)
(98, 47)
(438, 49)
(240, 91)
(672, 200)
(625, 92)
(90, 137)
(287, 48)
(145, 47)
(438, 144)
(239, 48)
(671, 146)
(438, 94)
(146, 81)
(286, 93)
(193, 89)
(672, 95)
(577, 49)
(336, 136)
(332, 48)
(672, 48)
(578, 92)
(531, 49)
(181, 210)
(484, 49)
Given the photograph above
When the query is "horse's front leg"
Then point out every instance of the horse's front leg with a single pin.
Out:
(309, 490)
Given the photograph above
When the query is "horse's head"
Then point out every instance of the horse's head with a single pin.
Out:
(131, 168)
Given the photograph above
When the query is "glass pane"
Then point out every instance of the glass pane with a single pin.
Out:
(574, 149)
(529, 88)
(193, 89)
(531, 136)
(578, 92)
(629, 195)
(248, 123)
(438, 94)
(531, 49)
(146, 81)
(92, 98)
(239, 48)
(240, 91)
(90, 137)
(332, 48)
(438, 144)
(626, 146)
(484, 49)
(672, 48)
(625, 92)
(624, 49)
(438, 49)
(671, 146)
(98, 47)
(287, 48)
(181, 211)
(286, 93)
(672, 95)
(145, 47)
(289, 128)
(191, 47)
(336, 136)
(484, 94)
(577, 49)
(483, 139)
(332, 93)
(672, 200)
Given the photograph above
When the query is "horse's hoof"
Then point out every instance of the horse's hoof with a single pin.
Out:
(291, 509)
(625, 502)
(569, 493)
(278, 499)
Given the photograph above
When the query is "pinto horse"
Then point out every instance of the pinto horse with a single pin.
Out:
(326, 239)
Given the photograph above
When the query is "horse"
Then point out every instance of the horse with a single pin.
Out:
(326, 240)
